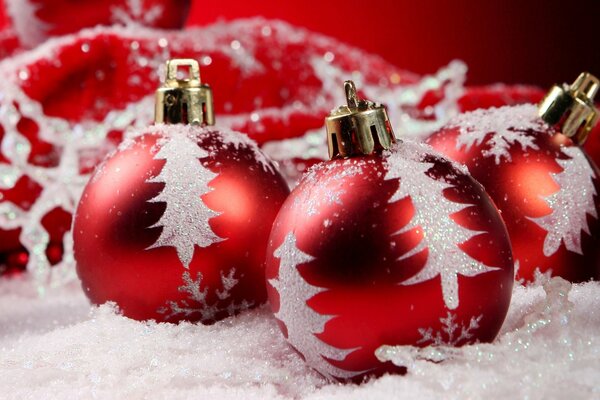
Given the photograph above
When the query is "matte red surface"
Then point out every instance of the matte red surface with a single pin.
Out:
(518, 188)
(356, 265)
(112, 231)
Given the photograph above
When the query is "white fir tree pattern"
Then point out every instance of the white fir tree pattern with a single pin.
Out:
(441, 234)
(570, 204)
(451, 334)
(185, 221)
(196, 303)
(302, 322)
(506, 126)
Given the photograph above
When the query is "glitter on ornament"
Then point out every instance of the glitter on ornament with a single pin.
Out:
(185, 222)
(569, 216)
(305, 324)
(433, 218)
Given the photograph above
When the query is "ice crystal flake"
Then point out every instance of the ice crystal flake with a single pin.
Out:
(196, 302)
(433, 216)
(451, 333)
(185, 222)
(571, 204)
(302, 322)
(504, 127)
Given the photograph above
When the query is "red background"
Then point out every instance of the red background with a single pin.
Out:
(537, 42)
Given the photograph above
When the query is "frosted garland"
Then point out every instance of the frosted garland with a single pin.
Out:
(22, 13)
(61, 185)
(449, 80)
(82, 143)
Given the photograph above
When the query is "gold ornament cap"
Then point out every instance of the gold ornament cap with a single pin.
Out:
(186, 100)
(572, 107)
(359, 128)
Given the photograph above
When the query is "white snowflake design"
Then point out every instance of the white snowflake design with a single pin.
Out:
(451, 333)
(570, 204)
(134, 11)
(185, 221)
(197, 303)
(433, 211)
(302, 322)
(506, 126)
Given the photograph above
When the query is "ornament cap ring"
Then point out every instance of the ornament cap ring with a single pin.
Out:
(360, 127)
(571, 107)
(184, 100)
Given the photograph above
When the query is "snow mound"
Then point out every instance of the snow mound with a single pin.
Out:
(61, 347)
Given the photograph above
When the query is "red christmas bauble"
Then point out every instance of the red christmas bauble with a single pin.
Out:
(545, 187)
(403, 248)
(37, 20)
(174, 225)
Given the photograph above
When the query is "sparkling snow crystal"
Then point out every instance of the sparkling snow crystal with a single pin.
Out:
(433, 211)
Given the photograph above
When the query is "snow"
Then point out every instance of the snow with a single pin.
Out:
(186, 180)
(61, 347)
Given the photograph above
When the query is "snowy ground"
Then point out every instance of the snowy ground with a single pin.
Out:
(61, 347)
